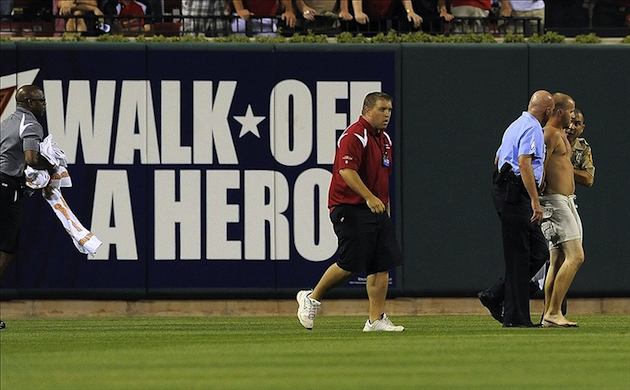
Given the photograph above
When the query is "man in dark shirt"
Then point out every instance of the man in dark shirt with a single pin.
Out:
(359, 202)
(20, 135)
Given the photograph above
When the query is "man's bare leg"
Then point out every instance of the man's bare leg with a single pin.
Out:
(574, 257)
(377, 285)
(333, 275)
(556, 258)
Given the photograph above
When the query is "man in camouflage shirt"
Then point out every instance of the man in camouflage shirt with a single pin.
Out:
(582, 157)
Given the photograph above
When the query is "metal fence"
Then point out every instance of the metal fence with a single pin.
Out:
(214, 26)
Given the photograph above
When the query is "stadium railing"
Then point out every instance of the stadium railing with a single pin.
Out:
(173, 25)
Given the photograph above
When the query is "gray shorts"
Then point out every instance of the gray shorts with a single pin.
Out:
(561, 222)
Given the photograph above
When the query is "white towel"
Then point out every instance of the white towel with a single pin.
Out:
(52, 152)
(84, 240)
(39, 178)
(36, 178)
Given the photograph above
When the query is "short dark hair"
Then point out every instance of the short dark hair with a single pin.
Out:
(372, 97)
(579, 112)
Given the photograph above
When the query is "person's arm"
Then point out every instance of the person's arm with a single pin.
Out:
(288, 15)
(506, 8)
(586, 174)
(353, 180)
(583, 177)
(527, 175)
(241, 11)
(359, 15)
(35, 160)
(443, 11)
(344, 11)
(412, 16)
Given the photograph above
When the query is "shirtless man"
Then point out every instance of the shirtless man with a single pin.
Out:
(561, 223)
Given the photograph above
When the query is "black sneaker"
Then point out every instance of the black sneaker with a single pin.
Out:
(2, 324)
(495, 308)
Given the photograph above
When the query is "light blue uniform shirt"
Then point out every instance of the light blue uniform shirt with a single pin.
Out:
(523, 137)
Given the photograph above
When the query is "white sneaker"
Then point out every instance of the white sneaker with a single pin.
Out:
(307, 308)
(382, 325)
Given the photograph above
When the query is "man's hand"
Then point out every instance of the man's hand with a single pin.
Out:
(375, 205)
(537, 215)
(414, 18)
(244, 14)
(345, 15)
(309, 13)
(361, 18)
(289, 18)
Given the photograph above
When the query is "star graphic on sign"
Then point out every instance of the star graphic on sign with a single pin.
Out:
(249, 122)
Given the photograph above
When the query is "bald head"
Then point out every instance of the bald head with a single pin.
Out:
(541, 105)
(563, 112)
(562, 101)
(31, 97)
(27, 92)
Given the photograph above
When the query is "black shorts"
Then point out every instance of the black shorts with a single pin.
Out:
(10, 214)
(367, 241)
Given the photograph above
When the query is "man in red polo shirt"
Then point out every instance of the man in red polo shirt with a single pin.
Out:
(359, 202)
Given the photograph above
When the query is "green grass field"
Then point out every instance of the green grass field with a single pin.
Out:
(445, 352)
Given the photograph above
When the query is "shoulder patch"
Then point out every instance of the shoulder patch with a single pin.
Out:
(364, 138)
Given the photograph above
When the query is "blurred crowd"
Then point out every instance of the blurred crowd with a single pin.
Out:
(223, 17)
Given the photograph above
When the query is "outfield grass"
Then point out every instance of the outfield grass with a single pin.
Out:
(465, 352)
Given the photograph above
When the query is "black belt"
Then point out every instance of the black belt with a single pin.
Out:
(13, 182)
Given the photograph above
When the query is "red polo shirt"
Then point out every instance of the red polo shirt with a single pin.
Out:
(262, 8)
(378, 8)
(483, 4)
(362, 149)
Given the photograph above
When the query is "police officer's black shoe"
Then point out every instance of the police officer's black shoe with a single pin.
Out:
(2, 324)
(494, 307)
(526, 325)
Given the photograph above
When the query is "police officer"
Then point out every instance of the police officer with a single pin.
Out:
(519, 175)
(584, 174)
(20, 135)
(582, 157)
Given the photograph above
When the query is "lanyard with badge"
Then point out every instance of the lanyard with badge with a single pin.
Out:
(385, 151)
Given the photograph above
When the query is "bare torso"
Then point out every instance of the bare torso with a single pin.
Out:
(558, 167)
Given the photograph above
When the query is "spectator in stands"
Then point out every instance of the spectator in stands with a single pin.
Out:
(381, 10)
(78, 9)
(611, 13)
(568, 13)
(310, 9)
(6, 9)
(466, 9)
(209, 17)
(431, 17)
(266, 9)
(525, 9)
(128, 15)
(324, 16)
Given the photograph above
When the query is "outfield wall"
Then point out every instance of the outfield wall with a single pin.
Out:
(204, 168)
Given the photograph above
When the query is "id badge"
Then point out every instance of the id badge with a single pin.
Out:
(386, 162)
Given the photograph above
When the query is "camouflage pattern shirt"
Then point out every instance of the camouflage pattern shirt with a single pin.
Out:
(582, 157)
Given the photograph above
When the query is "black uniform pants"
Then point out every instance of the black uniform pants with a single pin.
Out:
(10, 212)
(524, 249)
